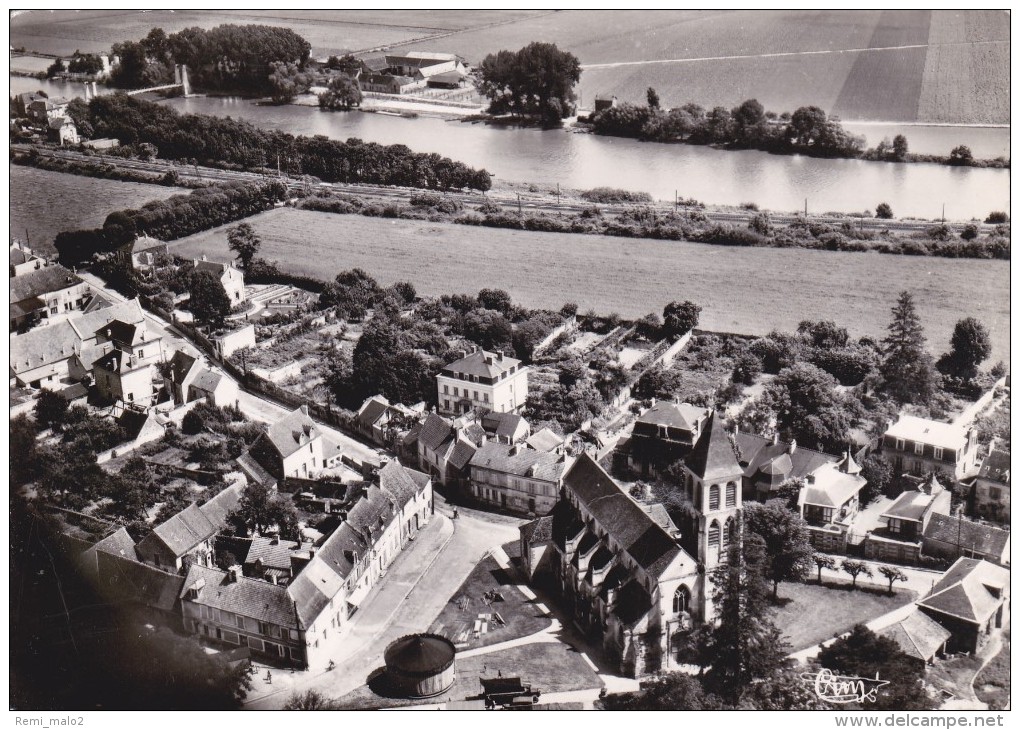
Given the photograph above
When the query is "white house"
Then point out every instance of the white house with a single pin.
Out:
(230, 277)
(488, 381)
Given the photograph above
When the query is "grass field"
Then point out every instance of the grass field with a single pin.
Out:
(963, 83)
(748, 290)
(47, 203)
(816, 613)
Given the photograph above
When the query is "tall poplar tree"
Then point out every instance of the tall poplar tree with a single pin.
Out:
(908, 369)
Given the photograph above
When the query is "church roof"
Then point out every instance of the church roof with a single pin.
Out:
(713, 457)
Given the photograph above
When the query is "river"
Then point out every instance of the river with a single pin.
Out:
(776, 182)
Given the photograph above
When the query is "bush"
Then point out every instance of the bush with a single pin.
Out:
(192, 423)
(997, 216)
(969, 232)
(614, 195)
(883, 210)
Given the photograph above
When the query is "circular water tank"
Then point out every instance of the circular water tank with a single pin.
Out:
(421, 665)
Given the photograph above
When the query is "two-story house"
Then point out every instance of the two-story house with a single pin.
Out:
(47, 294)
(482, 381)
(663, 434)
(771, 463)
(445, 448)
(292, 447)
(990, 498)
(905, 521)
(228, 275)
(145, 253)
(24, 260)
(829, 502)
(918, 445)
(517, 478)
(617, 571)
(189, 532)
(950, 538)
(126, 372)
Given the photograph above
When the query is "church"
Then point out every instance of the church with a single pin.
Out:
(624, 575)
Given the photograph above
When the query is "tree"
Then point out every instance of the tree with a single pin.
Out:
(907, 368)
(863, 653)
(489, 329)
(653, 98)
(761, 223)
(192, 423)
(342, 92)
(347, 64)
(245, 242)
(286, 81)
(670, 691)
(961, 155)
(808, 407)
(746, 369)
(971, 346)
(679, 318)
(744, 645)
(85, 63)
(788, 550)
(648, 326)
(498, 299)
(57, 67)
(900, 148)
(209, 301)
(893, 575)
(883, 210)
(537, 80)
(50, 409)
(879, 474)
(352, 293)
(997, 217)
(22, 442)
(259, 509)
(823, 561)
(855, 568)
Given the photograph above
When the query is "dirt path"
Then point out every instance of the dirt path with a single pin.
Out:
(783, 54)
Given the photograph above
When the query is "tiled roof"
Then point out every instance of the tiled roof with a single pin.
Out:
(125, 579)
(181, 364)
(996, 466)
(910, 505)
(924, 430)
(125, 333)
(968, 590)
(88, 323)
(220, 505)
(918, 635)
(832, 487)
(42, 281)
(520, 461)
(762, 455)
(146, 243)
(537, 531)
(293, 431)
(118, 361)
(274, 553)
(208, 381)
(184, 530)
(544, 440)
(257, 599)
(660, 516)
(213, 267)
(482, 364)
(462, 453)
(712, 456)
(434, 431)
(629, 525)
(254, 471)
(74, 392)
(969, 536)
(396, 479)
(633, 603)
(502, 424)
(117, 543)
(664, 413)
(373, 409)
(43, 346)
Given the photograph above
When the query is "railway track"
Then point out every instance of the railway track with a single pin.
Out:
(531, 202)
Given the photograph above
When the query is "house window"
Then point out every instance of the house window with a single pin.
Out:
(54, 310)
(713, 536)
(485, 397)
(994, 494)
(476, 395)
(731, 494)
(254, 643)
(240, 621)
(938, 452)
(899, 444)
(446, 389)
(713, 497)
(131, 397)
(894, 525)
(456, 391)
(446, 404)
(918, 448)
(141, 353)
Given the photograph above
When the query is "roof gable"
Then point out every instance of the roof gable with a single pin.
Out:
(712, 456)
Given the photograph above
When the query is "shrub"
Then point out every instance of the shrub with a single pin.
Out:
(614, 195)
(192, 423)
(997, 216)
(969, 232)
(883, 210)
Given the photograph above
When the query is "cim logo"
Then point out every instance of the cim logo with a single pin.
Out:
(840, 690)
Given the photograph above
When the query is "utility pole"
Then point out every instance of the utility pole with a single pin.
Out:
(676, 200)
(943, 213)
(558, 197)
(805, 207)
(519, 211)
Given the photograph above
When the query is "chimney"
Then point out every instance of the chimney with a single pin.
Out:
(793, 446)
(775, 438)
(488, 359)
(500, 354)
(233, 573)
(810, 479)
(304, 408)
(204, 257)
(275, 540)
(736, 428)
(515, 450)
(653, 401)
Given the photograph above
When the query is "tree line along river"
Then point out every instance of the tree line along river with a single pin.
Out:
(775, 182)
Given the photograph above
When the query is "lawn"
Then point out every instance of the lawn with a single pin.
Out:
(45, 203)
(992, 684)
(544, 270)
(548, 667)
(812, 614)
(470, 607)
(955, 676)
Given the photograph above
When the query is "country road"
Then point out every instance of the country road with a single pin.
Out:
(535, 202)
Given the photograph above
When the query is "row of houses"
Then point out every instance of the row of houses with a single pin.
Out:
(288, 603)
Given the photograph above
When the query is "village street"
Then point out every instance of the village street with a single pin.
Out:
(417, 586)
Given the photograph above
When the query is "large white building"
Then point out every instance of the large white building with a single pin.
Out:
(488, 381)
